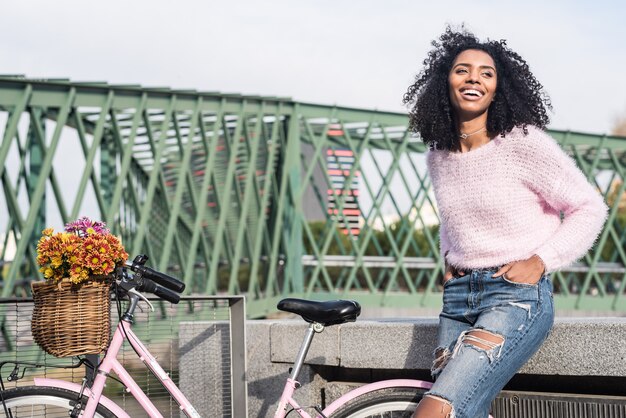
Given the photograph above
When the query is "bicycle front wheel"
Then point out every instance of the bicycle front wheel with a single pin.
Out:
(383, 403)
(35, 401)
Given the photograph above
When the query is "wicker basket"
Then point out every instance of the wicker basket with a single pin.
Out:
(71, 320)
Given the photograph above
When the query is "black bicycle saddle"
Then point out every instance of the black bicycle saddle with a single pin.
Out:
(332, 312)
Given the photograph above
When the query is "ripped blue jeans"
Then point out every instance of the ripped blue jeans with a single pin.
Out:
(488, 328)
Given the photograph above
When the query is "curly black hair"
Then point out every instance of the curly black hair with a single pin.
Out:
(519, 100)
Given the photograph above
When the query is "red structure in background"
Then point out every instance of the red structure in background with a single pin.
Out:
(339, 163)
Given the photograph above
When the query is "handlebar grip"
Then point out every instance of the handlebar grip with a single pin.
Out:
(167, 294)
(161, 278)
(149, 286)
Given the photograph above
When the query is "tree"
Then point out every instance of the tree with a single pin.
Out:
(619, 126)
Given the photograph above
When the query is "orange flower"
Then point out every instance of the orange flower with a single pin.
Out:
(78, 254)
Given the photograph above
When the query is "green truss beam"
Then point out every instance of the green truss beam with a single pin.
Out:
(257, 195)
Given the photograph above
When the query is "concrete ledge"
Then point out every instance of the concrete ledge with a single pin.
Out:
(576, 347)
(582, 347)
(399, 344)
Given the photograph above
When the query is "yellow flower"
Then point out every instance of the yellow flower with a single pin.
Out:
(90, 231)
(56, 261)
(47, 232)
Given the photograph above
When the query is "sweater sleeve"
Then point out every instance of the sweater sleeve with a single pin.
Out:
(444, 242)
(554, 176)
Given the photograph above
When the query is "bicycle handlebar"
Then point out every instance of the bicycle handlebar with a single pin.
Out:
(150, 286)
(163, 279)
(149, 280)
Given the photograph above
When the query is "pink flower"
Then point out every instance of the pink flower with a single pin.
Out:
(85, 226)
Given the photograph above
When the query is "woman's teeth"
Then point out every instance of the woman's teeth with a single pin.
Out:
(471, 92)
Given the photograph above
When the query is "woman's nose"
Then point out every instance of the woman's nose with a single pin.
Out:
(472, 77)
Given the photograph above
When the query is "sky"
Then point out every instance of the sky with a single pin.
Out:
(351, 53)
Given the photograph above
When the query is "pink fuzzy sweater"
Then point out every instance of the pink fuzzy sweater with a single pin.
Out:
(503, 202)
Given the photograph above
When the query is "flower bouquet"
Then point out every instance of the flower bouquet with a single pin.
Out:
(71, 315)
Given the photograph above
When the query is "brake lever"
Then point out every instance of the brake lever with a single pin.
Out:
(142, 297)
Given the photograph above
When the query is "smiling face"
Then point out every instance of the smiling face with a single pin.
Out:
(472, 84)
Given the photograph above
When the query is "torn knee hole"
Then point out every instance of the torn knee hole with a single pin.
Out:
(442, 355)
(446, 406)
(438, 398)
(483, 339)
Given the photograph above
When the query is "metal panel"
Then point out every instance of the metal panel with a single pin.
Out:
(538, 405)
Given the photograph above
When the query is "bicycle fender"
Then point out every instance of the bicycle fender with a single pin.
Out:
(55, 383)
(384, 384)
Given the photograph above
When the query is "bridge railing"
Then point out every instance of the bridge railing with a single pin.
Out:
(256, 195)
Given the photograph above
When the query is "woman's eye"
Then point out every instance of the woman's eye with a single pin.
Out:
(487, 74)
(461, 71)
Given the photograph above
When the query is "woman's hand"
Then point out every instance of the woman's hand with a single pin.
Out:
(527, 271)
(451, 272)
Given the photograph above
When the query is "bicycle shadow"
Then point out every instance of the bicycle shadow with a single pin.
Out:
(266, 392)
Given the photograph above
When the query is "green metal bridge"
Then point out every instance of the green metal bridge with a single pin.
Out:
(261, 196)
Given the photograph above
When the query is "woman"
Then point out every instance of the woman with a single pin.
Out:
(513, 208)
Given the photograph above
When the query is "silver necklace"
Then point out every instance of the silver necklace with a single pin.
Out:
(465, 136)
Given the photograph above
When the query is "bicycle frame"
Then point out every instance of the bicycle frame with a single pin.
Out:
(110, 363)
(291, 385)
